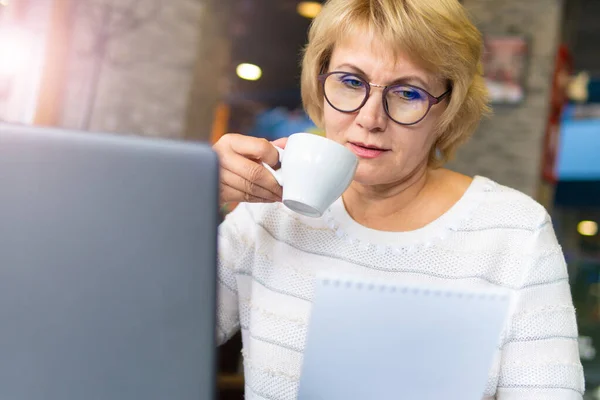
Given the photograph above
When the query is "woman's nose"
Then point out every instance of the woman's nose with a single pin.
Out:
(372, 116)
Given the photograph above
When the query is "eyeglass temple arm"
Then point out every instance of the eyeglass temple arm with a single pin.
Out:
(442, 96)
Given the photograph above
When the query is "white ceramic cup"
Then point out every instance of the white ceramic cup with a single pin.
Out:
(314, 173)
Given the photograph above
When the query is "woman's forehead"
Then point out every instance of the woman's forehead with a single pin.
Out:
(372, 55)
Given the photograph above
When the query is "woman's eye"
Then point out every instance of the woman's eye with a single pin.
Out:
(352, 82)
(407, 94)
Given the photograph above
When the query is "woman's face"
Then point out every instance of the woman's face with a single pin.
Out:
(401, 150)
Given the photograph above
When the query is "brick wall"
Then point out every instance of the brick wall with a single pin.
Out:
(508, 147)
(142, 83)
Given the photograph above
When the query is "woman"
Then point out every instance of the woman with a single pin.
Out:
(399, 83)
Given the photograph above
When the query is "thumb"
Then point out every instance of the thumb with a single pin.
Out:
(281, 142)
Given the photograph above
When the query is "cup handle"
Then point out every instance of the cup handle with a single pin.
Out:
(278, 175)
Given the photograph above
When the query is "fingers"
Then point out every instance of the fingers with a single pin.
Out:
(235, 181)
(229, 194)
(243, 176)
(251, 171)
(254, 148)
(281, 142)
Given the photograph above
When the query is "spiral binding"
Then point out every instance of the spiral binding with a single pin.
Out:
(381, 287)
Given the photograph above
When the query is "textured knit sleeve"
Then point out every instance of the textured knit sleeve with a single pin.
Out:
(540, 355)
(235, 250)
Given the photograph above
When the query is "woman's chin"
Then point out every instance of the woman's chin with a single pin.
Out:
(369, 176)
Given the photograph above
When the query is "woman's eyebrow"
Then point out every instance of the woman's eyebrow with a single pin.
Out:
(410, 79)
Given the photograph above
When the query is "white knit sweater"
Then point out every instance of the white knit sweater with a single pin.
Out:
(493, 236)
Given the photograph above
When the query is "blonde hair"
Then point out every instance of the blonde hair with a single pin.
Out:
(437, 34)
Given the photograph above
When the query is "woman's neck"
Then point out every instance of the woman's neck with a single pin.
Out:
(407, 205)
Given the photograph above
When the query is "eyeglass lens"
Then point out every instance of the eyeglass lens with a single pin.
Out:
(404, 104)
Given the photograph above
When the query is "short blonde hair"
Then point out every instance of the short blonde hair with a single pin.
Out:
(437, 34)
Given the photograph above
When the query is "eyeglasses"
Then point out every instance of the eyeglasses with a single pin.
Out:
(404, 104)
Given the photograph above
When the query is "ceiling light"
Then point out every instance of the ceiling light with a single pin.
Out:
(578, 87)
(587, 228)
(309, 9)
(249, 72)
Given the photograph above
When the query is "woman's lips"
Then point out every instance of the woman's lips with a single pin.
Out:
(366, 151)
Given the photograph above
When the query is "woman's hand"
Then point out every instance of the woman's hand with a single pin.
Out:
(243, 177)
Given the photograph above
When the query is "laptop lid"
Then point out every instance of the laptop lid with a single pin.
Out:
(107, 267)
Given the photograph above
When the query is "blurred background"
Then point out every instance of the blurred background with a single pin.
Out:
(196, 69)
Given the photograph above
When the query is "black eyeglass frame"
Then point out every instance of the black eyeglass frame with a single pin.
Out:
(432, 100)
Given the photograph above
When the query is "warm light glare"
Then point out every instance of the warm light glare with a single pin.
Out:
(14, 51)
(309, 9)
(3, 3)
(249, 72)
(587, 228)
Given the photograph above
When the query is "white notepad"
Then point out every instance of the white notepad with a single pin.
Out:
(380, 340)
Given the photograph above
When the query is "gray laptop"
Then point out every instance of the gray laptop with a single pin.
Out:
(107, 267)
